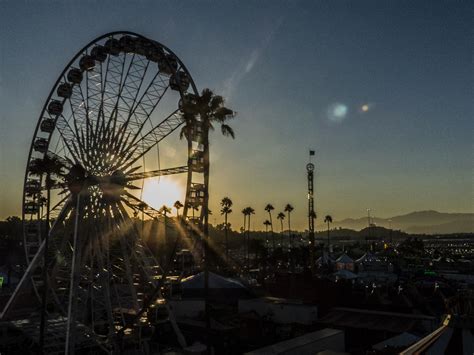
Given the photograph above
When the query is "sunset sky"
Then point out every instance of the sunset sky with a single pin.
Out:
(381, 90)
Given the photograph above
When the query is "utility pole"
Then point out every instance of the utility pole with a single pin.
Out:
(311, 213)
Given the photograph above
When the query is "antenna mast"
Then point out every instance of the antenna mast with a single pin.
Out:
(311, 213)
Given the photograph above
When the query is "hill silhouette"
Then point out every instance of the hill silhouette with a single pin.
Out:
(420, 222)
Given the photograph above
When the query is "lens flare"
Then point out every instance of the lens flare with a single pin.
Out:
(337, 112)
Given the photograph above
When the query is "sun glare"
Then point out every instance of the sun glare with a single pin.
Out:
(164, 191)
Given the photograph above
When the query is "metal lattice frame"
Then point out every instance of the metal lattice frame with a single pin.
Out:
(101, 116)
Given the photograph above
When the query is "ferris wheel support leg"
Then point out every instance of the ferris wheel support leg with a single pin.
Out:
(34, 263)
(76, 257)
(25, 277)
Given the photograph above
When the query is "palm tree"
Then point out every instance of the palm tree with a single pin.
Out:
(226, 204)
(248, 211)
(49, 166)
(288, 209)
(328, 220)
(211, 110)
(244, 212)
(267, 224)
(178, 205)
(281, 216)
(164, 210)
(269, 208)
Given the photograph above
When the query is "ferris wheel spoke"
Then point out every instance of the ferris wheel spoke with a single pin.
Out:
(138, 205)
(144, 256)
(128, 296)
(123, 255)
(129, 82)
(153, 137)
(64, 130)
(147, 103)
(126, 104)
(132, 86)
(100, 291)
(94, 91)
(78, 142)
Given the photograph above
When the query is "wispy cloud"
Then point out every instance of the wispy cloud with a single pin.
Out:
(248, 63)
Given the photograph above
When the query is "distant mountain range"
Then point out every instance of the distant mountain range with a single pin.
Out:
(421, 222)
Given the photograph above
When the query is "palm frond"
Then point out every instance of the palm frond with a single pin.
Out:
(227, 131)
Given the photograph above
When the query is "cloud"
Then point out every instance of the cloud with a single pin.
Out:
(247, 65)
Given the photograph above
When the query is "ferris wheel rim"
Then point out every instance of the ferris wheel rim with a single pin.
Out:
(61, 77)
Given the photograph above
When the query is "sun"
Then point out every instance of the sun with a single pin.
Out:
(163, 191)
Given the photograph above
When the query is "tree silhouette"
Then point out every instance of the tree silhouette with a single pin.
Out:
(248, 211)
(269, 208)
(178, 205)
(49, 166)
(288, 209)
(328, 220)
(281, 216)
(226, 204)
(204, 111)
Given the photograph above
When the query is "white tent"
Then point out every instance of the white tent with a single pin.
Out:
(215, 281)
(368, 258)
(219, 287)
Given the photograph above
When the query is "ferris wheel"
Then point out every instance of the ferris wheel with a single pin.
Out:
(116, 100)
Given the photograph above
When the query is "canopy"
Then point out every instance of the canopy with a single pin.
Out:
(215, 281)
(345, 259)
(220, 288)
(368, 258)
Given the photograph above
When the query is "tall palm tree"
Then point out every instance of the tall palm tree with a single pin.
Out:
(226, 204)
(267, 224)
(328, 220)
(288, 209)
(248, 211)
(164, 210)
(281, 216)
(178, 205)
(244, 212)
(51, 167)
(211, 110)
(269, 208)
